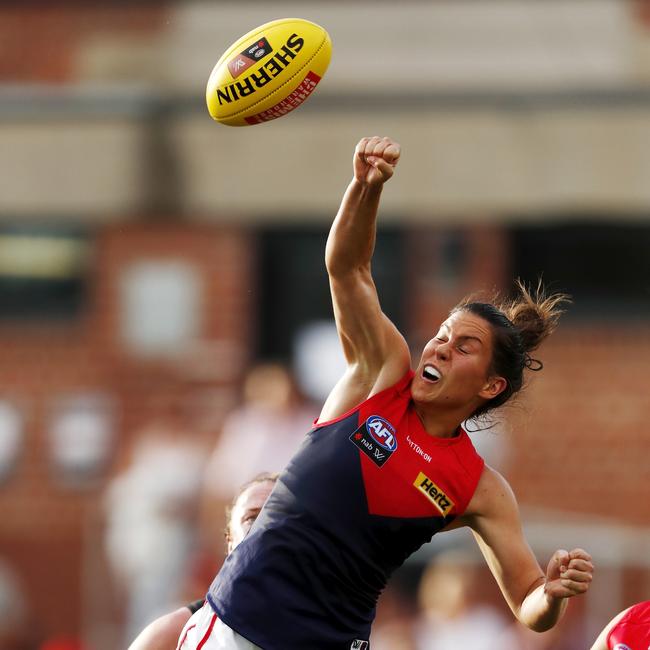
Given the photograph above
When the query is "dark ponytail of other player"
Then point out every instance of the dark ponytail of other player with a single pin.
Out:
(519, 325)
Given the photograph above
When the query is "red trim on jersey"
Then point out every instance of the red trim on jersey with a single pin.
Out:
(182, 641)
(208, 633)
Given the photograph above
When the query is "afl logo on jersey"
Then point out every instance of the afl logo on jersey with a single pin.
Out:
(622, 646)
(382, 432)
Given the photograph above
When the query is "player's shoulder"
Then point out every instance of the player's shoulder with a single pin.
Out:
(492, 481)
(355, 389)
(493, 495)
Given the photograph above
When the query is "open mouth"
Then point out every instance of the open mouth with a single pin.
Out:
(430, 373)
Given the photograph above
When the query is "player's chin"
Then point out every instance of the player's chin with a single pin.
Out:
(423, 391)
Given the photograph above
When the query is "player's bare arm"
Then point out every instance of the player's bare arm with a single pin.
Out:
(536, 598)
(376, 353)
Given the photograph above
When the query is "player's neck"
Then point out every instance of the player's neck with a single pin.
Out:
(439, 422)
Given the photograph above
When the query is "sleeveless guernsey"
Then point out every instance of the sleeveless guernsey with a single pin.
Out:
(362, 493)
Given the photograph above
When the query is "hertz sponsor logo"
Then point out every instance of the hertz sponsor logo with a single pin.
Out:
(432, 492)
(272, 68)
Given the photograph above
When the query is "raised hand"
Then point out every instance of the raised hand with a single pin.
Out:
(375, 160)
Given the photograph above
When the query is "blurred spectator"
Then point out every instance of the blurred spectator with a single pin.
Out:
(455, 615)
(393, 635)
(452, 616)
(262, 434)
(151, 520)
(393, 626)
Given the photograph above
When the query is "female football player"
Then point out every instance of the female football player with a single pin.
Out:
(388, 464)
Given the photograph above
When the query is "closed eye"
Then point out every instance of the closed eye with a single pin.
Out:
(250, 515)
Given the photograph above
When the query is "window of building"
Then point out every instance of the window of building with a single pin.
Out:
(605, 267)
(294, 290)
(42, 273)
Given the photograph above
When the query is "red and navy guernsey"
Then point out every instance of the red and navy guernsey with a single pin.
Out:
(362, 493)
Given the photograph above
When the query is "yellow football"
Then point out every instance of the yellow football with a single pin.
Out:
(268, 72)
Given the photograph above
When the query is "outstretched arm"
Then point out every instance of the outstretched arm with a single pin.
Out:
(376, 353)
(536, 598)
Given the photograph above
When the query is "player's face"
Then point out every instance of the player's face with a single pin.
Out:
(245, 511)
(454, 369)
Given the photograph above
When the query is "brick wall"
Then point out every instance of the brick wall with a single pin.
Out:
(579, 435)
(42, 532)
(39, 40)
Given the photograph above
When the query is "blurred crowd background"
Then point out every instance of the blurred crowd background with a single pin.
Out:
(165, 323)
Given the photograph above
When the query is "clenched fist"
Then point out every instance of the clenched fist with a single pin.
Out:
(568, 573)
(375, 160)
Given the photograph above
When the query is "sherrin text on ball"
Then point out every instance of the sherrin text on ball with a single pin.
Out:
(268, 72)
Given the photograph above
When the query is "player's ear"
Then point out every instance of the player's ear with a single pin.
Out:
(493, 387)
